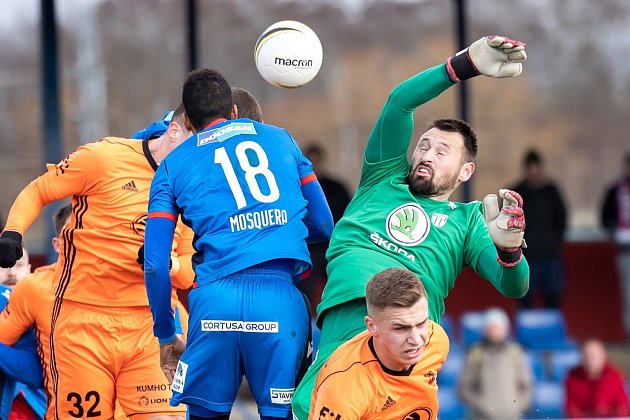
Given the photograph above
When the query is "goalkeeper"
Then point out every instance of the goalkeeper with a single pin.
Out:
(401, 215)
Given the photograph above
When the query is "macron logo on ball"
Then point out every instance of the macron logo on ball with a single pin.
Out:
(221, 134)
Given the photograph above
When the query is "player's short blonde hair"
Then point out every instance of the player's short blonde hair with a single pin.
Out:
(393, 288)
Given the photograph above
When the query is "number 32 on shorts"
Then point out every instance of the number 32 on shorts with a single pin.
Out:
(84, 406)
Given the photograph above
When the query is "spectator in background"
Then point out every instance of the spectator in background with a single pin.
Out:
(338, 199)
(595, 388)
(496, 382)
(546, 223)
(615, 217)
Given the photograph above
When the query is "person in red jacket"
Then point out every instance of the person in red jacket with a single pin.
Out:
(595, 388)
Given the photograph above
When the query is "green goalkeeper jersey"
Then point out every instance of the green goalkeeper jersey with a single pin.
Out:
(387, 226)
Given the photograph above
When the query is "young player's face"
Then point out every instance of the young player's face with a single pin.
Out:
(437, 165)
(10, 276)
(400, 334)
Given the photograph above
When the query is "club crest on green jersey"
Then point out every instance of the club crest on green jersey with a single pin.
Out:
(408, 224)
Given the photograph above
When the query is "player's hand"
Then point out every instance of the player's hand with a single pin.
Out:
(169, 357)
(493, 56)
(140, 259)
(10, 248)
(507, 225)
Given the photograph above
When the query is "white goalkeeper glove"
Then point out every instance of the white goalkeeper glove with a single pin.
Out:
(506, 226)
(493, 56)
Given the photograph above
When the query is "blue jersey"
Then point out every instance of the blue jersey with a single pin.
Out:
(237, 184)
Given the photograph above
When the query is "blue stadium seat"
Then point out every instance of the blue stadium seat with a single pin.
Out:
(547, 400)
(447, 323)
(450, 406)
(536, 364)
(542, 329)
(452, 369)
(472, 327)
(561, 361)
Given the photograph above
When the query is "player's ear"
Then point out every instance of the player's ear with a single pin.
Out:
(55, 244)
(371, 326)
(234, 112)
(466, 172)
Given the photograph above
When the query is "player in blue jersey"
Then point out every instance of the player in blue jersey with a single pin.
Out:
(253, 201)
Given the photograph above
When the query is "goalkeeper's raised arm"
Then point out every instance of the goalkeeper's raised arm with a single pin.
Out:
(492, 56)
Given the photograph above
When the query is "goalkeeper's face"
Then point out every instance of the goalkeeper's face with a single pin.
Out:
(438, 165)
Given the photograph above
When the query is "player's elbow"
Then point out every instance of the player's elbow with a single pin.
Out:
(153, 269)
(517, 291)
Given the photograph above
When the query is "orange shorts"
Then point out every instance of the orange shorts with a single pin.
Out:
(99, 355)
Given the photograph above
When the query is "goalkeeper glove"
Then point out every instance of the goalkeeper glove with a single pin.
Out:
(10, 248)
(493, 56)
(507, 226)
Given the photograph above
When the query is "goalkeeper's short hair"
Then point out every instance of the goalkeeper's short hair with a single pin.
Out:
(246, 104)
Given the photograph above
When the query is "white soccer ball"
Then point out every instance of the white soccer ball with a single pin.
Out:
(288, 54)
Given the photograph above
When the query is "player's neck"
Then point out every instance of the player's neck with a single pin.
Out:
(157, 149)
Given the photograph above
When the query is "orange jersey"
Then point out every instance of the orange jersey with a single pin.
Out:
(354, 385)
(109, 181)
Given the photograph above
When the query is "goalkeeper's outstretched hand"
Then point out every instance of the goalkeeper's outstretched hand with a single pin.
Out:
(493, 56)
(169, 357)
(506, 226)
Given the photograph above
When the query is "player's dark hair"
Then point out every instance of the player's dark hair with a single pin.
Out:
(246, 104)
(206, 96)
(532, 157)
(393, 288)
(60, 216)
(459, 126)
(178, 114)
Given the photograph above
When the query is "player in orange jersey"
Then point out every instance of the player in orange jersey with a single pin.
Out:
(390, 370)
(101, 341)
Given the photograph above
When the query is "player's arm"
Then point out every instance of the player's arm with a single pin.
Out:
(158, 240)
(72, 176)
(392, 132)
(22, 364)
(491, 56)
(20, 313)
(512, 281)
(333, 399)
(319, 220)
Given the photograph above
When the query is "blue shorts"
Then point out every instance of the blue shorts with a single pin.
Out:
(253, 323)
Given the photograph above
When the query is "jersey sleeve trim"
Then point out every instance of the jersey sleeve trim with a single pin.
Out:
(163, 215)
(308, 178)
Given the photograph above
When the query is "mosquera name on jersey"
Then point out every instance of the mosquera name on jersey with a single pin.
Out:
(258, 219)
